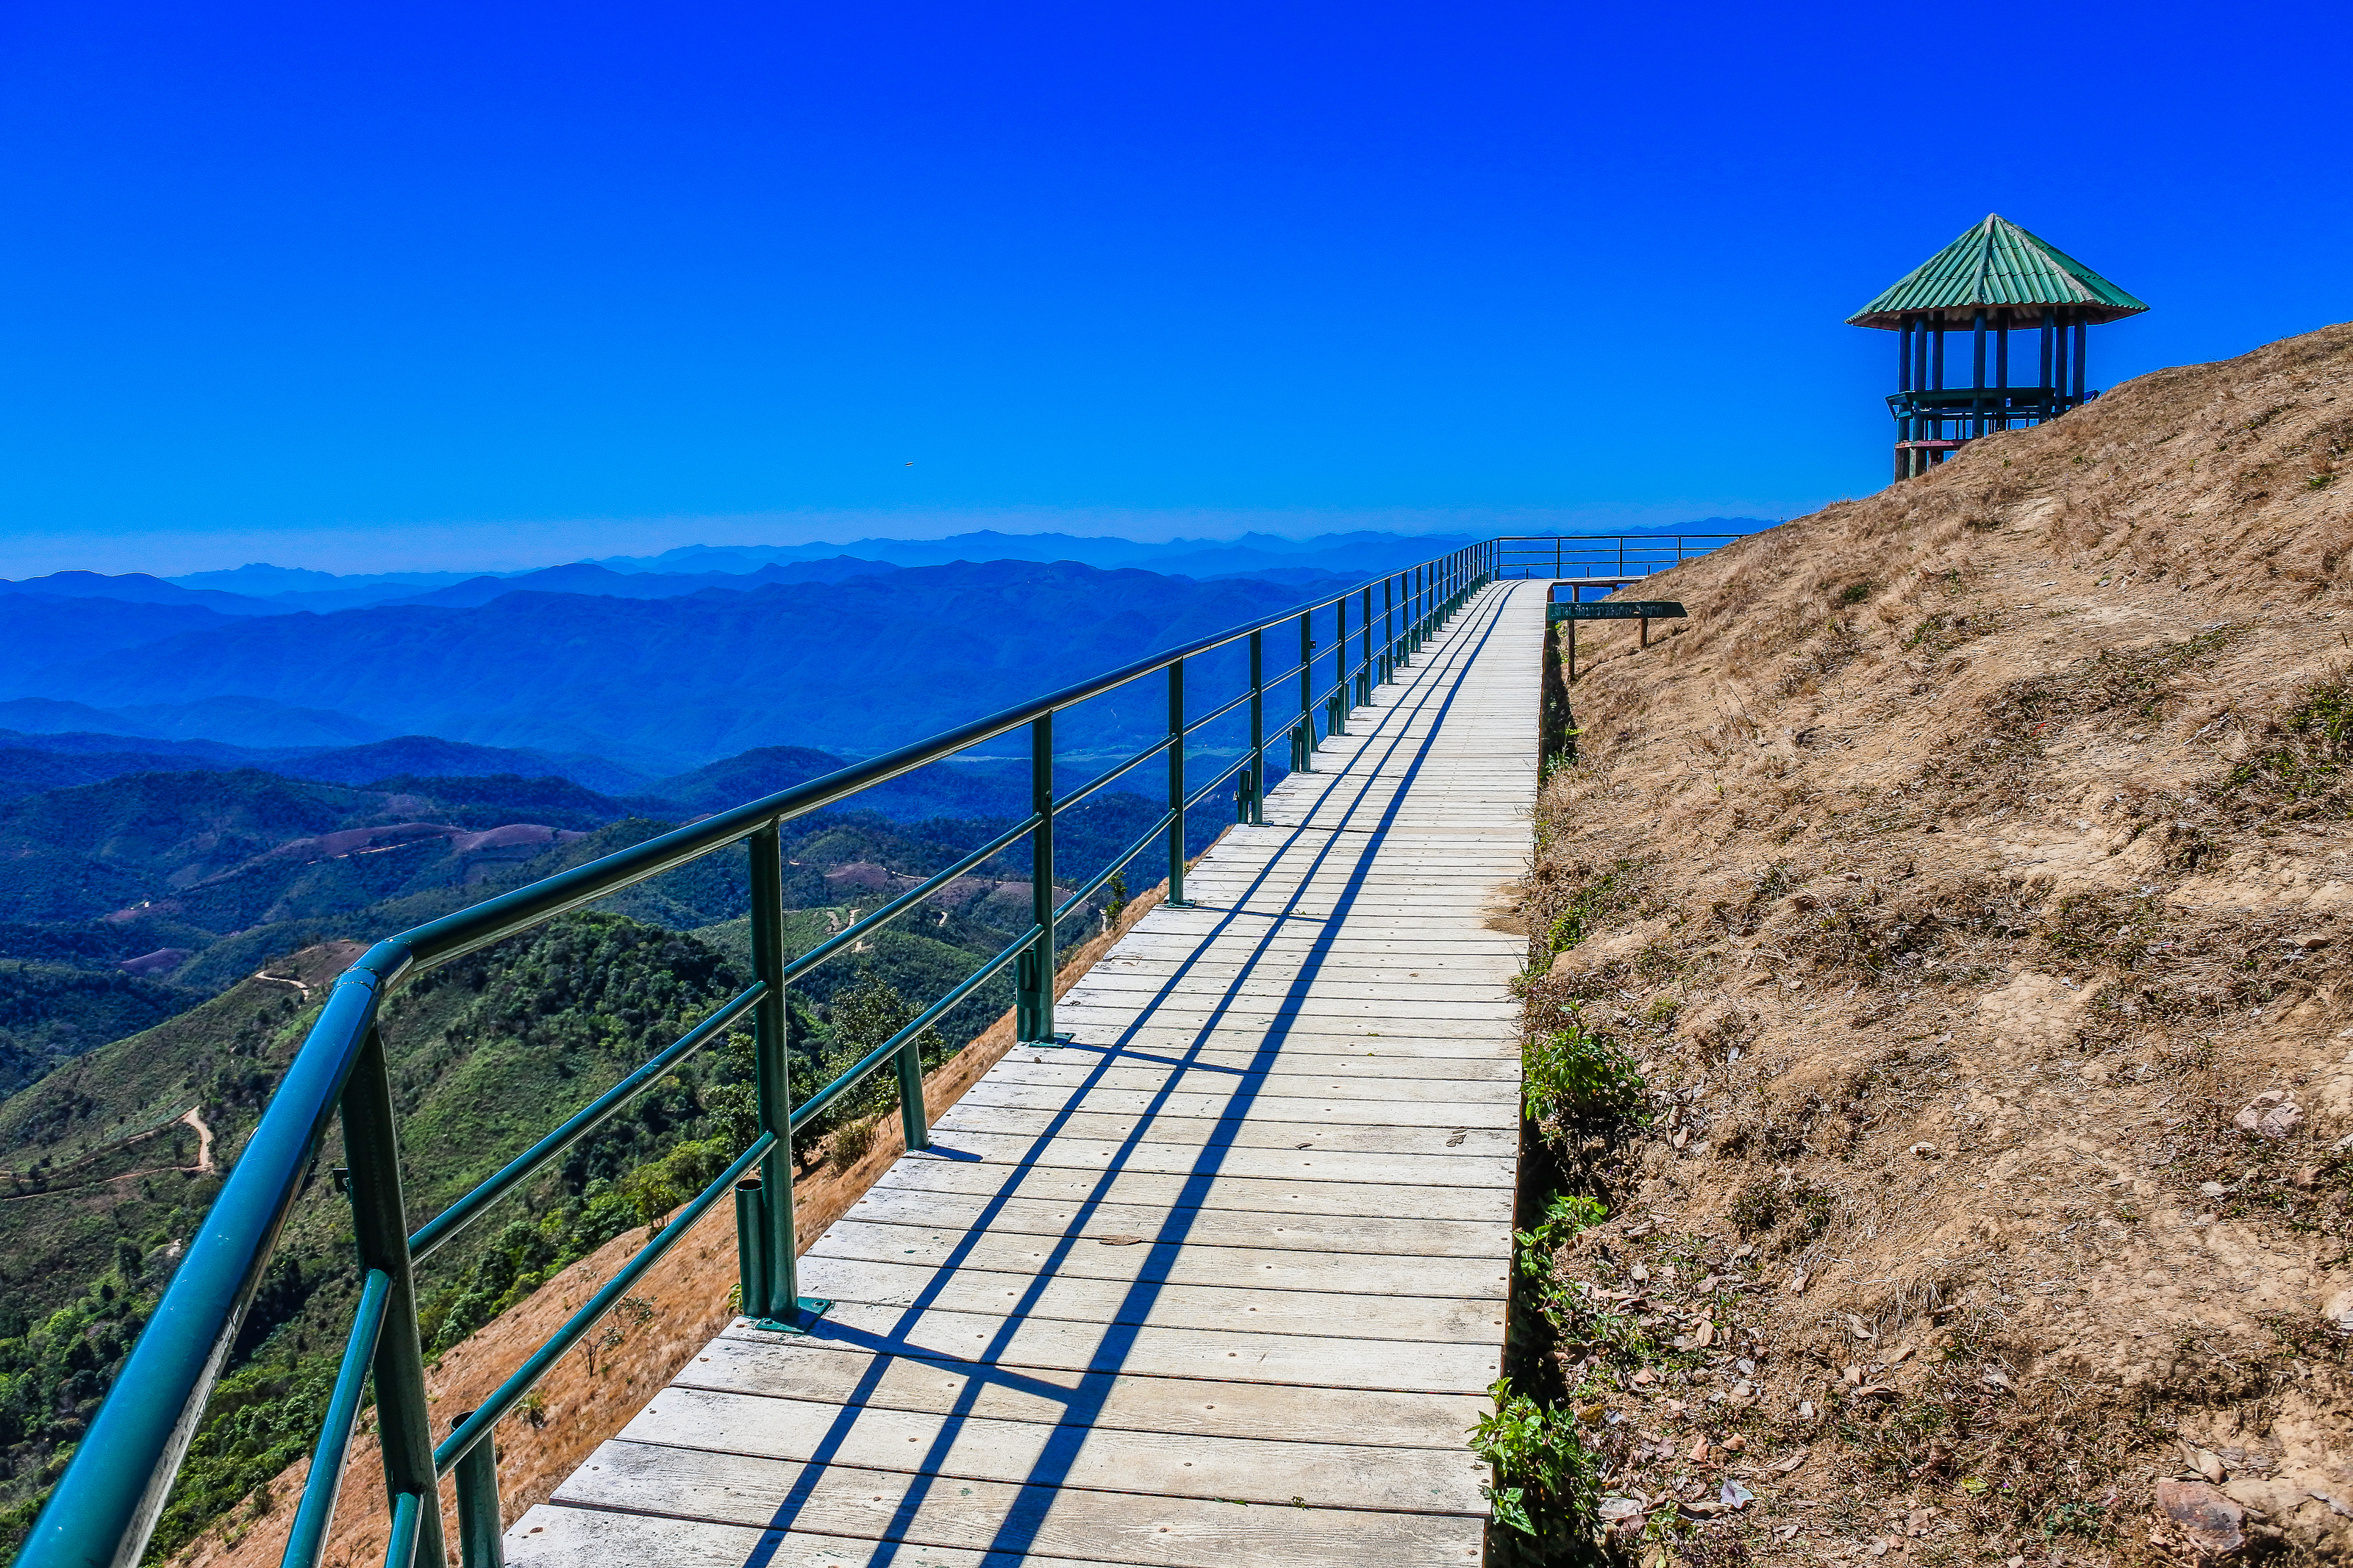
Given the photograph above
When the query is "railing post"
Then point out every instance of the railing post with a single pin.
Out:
(914, 1125)
(477, 1478)
(750, 1257)
(1302, 735)
(1364, 666)
(1257, 817)
(380, 1228)
(1340, 665)
(1176, 900)
(1034, 971)
(1388, 627)
(784, 1309)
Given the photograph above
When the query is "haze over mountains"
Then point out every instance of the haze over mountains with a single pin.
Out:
(618, 672)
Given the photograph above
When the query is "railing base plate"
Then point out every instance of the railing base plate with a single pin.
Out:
(803, 1321)
(1045, 1045)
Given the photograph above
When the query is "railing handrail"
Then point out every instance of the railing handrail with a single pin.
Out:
(104, 1508)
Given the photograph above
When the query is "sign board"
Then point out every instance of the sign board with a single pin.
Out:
(1615, 610)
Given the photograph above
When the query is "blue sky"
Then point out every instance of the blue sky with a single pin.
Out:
(494, 285)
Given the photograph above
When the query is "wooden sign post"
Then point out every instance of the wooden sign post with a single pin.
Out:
(1645, 611)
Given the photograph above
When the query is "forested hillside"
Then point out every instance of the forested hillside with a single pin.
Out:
(113, 1152)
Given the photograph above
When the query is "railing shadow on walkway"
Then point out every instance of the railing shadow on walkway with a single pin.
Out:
(1017, 1535)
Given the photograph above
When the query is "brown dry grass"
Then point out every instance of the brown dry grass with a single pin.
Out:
(593, 1392)
(1974, 857)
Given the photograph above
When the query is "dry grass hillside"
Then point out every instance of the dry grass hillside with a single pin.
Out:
(1972, 879)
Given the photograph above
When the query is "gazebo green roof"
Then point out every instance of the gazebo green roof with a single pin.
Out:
(1996, 263)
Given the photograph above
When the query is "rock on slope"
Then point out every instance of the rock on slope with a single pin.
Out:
(1971, 877)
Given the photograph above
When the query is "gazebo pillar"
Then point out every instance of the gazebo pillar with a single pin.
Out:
(1977, 376)
(2001, 367)
(2058, 383)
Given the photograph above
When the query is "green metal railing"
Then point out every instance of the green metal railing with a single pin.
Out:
(106, 1505)
(1599, 558)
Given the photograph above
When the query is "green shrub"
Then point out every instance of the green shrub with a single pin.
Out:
(1543, 1482)
(1573, 1077)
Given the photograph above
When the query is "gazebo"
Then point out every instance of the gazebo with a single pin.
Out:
(1995, 280)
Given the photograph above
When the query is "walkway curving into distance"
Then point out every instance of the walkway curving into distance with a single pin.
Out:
(1221, 1280)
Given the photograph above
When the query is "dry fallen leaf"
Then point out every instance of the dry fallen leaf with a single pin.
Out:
(1119, 1240)
(1705, 1337)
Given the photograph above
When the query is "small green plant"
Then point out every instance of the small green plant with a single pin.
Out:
(1542, 1480)
(1590, 905)
(1569, 1214)
(1118, 898)
(2310, 745)
(2319, 482)
(1574, 1076)
(2086, 1521)
(1856, 593)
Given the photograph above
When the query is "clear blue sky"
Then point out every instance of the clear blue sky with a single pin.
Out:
(438, 283)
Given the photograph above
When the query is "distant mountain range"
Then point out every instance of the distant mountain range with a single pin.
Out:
(619, 672)
(1253, 554)
(462, 592)
(655, 685)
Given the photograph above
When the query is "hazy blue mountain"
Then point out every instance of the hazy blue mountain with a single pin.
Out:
(38, 629)
(858, 666)
(87, 758)
(242, 720)
(415, 755)
(138, 588)
(258, 579)
(1367, 550)
(241, 724)
(586, 577)
(1250, 551)
(24, 770)
(1313, 582)
(983, 789)
(47, 716)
